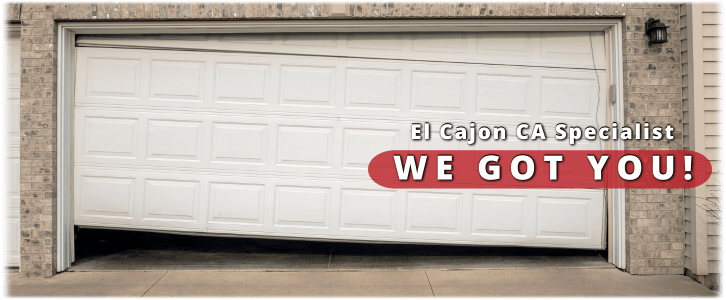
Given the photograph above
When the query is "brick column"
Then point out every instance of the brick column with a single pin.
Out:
(655, 218)
(37, 140)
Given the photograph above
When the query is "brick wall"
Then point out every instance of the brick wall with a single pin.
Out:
(37, 139)
(652, 86)
(655, 242)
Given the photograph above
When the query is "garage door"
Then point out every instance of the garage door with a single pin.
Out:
(12, 117)
(271, 134)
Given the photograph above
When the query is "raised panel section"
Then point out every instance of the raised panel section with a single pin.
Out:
(236, 203)
(498, 215)
(12, 92)
(311, 39)
(502, 94)
(14, 121)
(239, 143)
(12, 53)
(441, 92)
(433, 212)
(362, 145)
(107, 196)
(171, 200)
(115, 78)
(386, 41)
(110, 137)
(12, 239)
(368, 210)
(177, 81)
(11, 149)
(305, 146)
(374, 89)
(11, 173)
(563, 217)
(301, 206)
(564, 44)
(14, 183)
(175, 140)
(504, 44)
(254, 38)
(241, 83)
(567, 97)
(439, 42)
(307, 86)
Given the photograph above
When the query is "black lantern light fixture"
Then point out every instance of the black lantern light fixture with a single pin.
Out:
(657, 32)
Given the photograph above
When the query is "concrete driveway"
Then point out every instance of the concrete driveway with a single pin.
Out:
(488, 282)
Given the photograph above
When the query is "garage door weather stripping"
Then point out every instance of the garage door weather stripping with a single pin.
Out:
(233, 132)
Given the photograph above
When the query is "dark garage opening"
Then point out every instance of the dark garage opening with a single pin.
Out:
(105, 249)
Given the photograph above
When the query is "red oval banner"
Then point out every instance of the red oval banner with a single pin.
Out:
(576, 169)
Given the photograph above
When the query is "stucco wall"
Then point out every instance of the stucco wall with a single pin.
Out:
(652, 85)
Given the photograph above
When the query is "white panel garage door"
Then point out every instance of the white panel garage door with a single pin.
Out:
(12, 117)
(271, 134)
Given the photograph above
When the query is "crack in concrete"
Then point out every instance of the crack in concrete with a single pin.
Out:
(430, 286)
(162, 276)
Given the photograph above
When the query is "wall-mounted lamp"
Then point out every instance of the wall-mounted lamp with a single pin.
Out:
(656, 31)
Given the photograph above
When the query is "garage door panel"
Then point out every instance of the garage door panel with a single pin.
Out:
(307, 86)
(373, 89)
(439, 92)
(505, 95)
(515, 48)
(375, 41)
(506, 44)
(362, 89)
(500, 215)
(368, 210)
(242, 143)
(177, 80)
(242, 83)
(440, 42)
(279, 145)
(140, 199)
(346, 209)
(434, 212)
(173, 200)
(239, 204)
(216, 142)
(174, 140)
(110, 137)
(361, 145)
(569, 215)
(570, 95)
(573, 46)
(302, 207)
(107, 197)
(114, 78)
(306, 146)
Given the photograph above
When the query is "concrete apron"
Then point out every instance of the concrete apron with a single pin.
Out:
(119, 263)
(502, 282)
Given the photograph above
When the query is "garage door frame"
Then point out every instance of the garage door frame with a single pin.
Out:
(66, 79)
